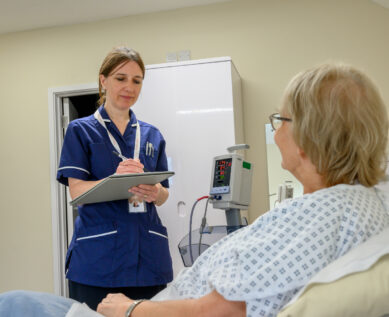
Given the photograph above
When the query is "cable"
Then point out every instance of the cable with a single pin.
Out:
(203, 223)
(190, 226)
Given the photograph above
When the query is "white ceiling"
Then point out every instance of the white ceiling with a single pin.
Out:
(21, 15)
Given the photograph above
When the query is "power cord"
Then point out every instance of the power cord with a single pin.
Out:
(190, 226)
(203, 223)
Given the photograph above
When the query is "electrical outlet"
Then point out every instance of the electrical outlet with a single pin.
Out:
(184, 55)
(171, 57)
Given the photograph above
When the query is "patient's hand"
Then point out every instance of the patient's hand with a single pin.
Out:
(210, 305)
(114, 305)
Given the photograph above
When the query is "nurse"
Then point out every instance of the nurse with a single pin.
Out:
(117, 246)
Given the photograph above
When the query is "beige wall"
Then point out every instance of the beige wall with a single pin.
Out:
(268, 40)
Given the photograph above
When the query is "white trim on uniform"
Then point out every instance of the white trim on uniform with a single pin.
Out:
(97, 235)
(74, 167)
(158, 234)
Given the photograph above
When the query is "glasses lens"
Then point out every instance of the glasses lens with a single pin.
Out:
(276, 123)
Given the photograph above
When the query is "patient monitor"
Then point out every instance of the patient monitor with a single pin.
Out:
(230, 190)
(231, 185)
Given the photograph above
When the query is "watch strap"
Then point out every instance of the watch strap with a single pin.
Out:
(132, 306)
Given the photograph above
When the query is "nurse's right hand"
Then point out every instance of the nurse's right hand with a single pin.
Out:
(129, 166)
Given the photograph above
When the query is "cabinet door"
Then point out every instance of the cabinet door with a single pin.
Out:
(206, 128)
(157, 105)
(192, 107)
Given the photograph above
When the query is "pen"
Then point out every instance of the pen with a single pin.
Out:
(121, 156)
(126, 158)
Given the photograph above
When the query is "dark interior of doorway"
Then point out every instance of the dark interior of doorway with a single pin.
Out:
(85, 104)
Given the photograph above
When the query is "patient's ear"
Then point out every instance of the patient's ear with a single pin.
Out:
(301, 153)
(304, 157)
(306, 161)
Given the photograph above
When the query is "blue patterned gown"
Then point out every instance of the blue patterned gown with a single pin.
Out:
(268, 262)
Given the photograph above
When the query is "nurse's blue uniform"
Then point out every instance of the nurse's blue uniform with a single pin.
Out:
(111, 246)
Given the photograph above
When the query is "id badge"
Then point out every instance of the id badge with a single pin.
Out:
(140, 207)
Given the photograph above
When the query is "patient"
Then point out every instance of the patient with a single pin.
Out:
(332, 131)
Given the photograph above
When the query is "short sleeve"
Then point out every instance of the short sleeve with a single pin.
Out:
(74, 156)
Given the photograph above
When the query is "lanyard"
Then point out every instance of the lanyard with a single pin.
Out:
(115, 144)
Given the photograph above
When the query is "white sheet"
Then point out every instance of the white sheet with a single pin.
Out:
(82, 310)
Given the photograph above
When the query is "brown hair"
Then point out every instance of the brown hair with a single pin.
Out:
(341, 123)
(116, 57)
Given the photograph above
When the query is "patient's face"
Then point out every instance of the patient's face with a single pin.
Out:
(287, 146)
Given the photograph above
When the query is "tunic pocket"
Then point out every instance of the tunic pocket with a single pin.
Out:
(156, 249)
(98, 235)
(94, 249)
(150, 158)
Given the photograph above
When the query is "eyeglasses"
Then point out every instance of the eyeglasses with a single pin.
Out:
(276, 120)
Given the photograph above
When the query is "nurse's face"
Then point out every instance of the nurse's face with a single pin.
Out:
(123, 85)
(289, 150)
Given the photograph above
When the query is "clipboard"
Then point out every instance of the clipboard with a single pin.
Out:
(116, 186)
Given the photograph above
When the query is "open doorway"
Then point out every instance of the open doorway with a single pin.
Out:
(65, 105)
(74, 107)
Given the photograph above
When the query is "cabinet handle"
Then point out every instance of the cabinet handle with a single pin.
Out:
(181, 210)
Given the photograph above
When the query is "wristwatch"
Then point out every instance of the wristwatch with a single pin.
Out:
(132, 307)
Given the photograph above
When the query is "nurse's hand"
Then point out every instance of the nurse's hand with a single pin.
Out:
(148, 193)
(129, 166)
(156, 194)
(114, 305)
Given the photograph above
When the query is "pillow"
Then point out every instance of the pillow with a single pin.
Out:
(361, 294)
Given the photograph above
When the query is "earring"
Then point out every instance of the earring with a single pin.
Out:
(103, 91)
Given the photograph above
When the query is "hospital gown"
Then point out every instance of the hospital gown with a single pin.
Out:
(267, 263)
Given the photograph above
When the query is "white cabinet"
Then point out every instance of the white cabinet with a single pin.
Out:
(197, 106)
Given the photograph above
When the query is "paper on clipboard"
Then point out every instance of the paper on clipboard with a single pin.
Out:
(116, 186)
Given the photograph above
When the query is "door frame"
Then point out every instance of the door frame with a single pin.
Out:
(58, 194)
